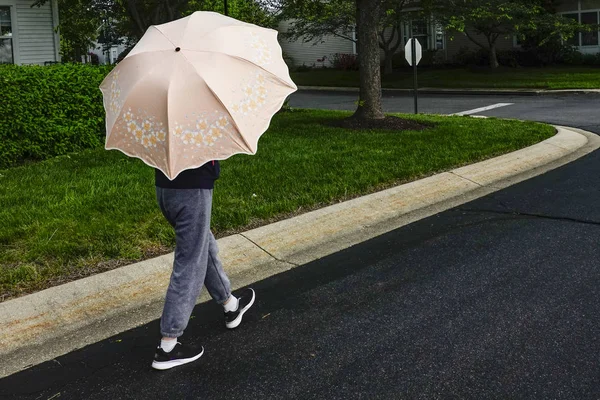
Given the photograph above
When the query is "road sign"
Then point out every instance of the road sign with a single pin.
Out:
(414, 52)
(409, 54)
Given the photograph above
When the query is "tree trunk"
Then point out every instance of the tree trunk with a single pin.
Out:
(493, 57)
(389, 63)
(367, 18)
(134, 15)
(389, 47)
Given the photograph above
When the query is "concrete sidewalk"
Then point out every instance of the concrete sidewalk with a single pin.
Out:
(457, 91)
(91, 309)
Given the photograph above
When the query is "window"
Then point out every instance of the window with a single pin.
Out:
(574, 41)
(429, 35)
(439, 37)
(6, 37)
(585, 38)
(420, 32)
(589, 38)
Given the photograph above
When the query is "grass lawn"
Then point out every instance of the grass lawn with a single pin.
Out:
(505, 78)
(76, 215)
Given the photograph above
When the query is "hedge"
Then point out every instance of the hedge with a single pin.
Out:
(49, 111)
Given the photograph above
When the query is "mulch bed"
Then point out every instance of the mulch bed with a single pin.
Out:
(389, 123)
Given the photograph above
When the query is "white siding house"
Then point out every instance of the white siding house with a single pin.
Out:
(308, 53)
(110, 56)
(448, 45)
(27, 34)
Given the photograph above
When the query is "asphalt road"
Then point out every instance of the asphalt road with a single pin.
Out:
(582, 111)
(498, 298)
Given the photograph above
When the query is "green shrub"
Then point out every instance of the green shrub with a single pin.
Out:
(543, 46)
(49, 111)
(303, 68)
(289, 60)
(509, 58)
(345, 62)
(94, 58)
(572, 58)
(591, 59)
(468, 57)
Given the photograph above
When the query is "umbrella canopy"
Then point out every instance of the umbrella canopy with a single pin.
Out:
(200, 88)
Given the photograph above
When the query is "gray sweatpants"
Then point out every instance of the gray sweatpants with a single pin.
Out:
(196, 260)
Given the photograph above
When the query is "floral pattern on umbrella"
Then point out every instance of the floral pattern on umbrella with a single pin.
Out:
(204, 131)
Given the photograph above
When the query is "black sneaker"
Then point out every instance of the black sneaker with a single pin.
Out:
(181, 354)
(245, 301)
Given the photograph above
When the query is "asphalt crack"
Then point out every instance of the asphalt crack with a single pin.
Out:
(533, 215)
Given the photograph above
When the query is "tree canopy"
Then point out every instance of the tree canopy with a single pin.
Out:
(110, 21)
(485, 21)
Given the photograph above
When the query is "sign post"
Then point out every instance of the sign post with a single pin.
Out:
(414, 52)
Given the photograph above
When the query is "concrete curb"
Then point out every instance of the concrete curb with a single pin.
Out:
(91, 309)
(463, 92)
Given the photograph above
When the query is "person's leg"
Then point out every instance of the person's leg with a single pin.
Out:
(188, 211)
(216, 280)
(218, 285)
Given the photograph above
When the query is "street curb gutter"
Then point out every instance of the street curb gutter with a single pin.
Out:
(461, 92)
(88, 310)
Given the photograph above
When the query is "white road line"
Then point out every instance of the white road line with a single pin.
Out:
(478, 110)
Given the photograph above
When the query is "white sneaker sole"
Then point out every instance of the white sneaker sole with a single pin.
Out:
(236, 322)
(162, 365)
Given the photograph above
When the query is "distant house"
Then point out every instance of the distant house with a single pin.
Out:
(586, 12)
(110, 56)
(308, 53)
(433, 37)
(27, 34)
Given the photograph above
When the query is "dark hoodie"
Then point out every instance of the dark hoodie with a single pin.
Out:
(203, 177)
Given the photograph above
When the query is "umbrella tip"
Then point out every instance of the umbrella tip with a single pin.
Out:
(178, 49)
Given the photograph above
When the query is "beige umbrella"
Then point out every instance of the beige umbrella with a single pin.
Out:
(200, 88)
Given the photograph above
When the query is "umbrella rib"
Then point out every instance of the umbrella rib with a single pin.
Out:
(168, 142)
(153, 51)
(162, 33)
(229, 112)
(246, 61)
(166, 37)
